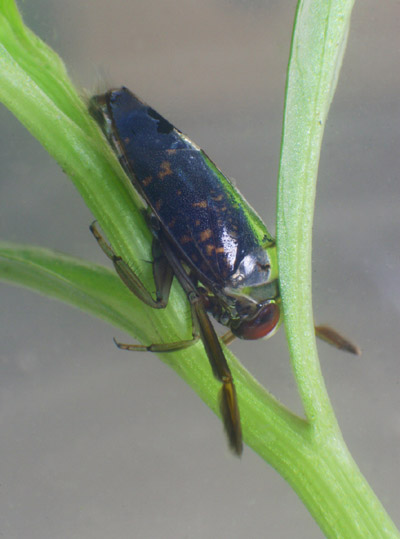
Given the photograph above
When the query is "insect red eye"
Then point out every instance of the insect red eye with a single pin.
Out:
(263, 323)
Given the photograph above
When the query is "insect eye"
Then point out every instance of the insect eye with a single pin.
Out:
(261, 325)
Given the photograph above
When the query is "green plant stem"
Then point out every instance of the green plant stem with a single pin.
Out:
(311, 454)
(317, 49)
(316, 55)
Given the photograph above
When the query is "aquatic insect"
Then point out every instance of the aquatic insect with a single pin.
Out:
(206, 235)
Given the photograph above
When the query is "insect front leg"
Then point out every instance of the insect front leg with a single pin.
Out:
(162, 273)
(324, 333)
(334, 338)
(159, 348)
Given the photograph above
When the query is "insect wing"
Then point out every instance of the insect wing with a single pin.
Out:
(204, 215)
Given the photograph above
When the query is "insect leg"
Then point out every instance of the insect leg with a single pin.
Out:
(325, 333)
(228, 400)
(159, 348)
(202, 328)
(332, 337)
(228, 337)
(165, 266)
(202, 324)
(162, 273)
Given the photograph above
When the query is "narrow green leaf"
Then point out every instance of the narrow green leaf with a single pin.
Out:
(318, 45)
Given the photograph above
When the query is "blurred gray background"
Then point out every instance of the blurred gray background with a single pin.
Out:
(96, 443)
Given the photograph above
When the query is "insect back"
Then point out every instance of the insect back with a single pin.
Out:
(210, 238)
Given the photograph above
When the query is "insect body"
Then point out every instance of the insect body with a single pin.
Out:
(205, 234)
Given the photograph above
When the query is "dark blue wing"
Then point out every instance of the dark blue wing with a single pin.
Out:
(199, 212)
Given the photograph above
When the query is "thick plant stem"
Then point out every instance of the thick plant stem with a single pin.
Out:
(317, 50)
(318, 45)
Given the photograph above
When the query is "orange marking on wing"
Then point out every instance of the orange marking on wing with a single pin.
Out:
(201, 204)
(147, 180)
(185, 239)
(172, 222)
(165, 170)
(205, 234)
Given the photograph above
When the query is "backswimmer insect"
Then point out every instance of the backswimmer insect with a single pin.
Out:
(205, 234)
